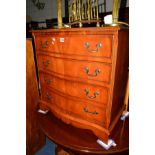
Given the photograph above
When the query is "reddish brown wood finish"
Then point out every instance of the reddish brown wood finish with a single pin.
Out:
(74, 88)
(75, 107)
(121, 73)
(34, 136)
(63, 67)
(79, 57)
(59, 43)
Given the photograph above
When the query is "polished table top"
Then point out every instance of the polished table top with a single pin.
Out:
(82, 140)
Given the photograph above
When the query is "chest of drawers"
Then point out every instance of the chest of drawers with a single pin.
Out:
(83, 74)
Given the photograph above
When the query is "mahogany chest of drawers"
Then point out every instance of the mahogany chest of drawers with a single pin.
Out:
(83, 74)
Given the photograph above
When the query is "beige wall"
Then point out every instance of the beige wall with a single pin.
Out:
(49, 11)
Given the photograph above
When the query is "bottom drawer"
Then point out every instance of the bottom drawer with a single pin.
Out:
(75, 107)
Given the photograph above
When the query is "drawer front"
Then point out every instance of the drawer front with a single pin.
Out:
(86, 45)
(47, 43)
(89, 45)
(76, 108)
(73, 68)
(75, 89)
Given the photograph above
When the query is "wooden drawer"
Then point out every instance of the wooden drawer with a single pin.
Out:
(47, 43)
(88, 45)
(74, 107)
(76, 89)
(73, 68)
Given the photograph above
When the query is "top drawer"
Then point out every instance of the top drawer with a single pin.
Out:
(47, 43)
(77, 45)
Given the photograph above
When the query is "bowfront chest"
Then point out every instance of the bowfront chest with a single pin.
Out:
(83, 74)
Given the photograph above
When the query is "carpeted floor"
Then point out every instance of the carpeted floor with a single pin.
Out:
(47, 149)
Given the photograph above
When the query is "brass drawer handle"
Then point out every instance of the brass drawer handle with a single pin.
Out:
(87, 45)
(46, 62)
(91, 112)
(44, 44)
(87, 92)
(97, 71)
(48, 81)
(49, 97)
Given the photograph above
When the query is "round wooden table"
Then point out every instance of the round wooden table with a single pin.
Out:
(77, 141)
